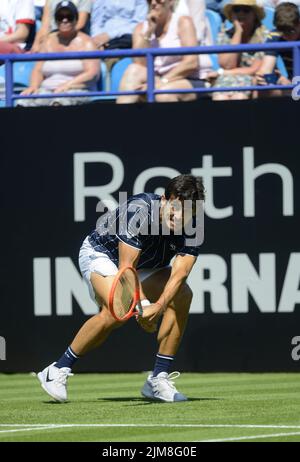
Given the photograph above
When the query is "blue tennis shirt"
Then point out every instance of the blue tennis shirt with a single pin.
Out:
(136, 224)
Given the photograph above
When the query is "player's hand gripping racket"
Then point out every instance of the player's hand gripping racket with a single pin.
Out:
(124, 296)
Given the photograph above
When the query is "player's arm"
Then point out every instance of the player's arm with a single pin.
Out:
(181, 268)
(129, 256)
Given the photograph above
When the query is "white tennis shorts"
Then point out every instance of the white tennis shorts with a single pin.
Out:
(91, 261)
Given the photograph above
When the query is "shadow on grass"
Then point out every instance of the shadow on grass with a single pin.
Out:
(55, 402)
(137, 401)
(140, 401)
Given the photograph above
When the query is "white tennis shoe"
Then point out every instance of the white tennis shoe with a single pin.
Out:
(54, 381)
(162, 388)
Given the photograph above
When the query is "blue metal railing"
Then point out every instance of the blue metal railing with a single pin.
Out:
(149, 54)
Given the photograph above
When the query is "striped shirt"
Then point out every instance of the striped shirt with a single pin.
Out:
(286, 54)
(136, 223)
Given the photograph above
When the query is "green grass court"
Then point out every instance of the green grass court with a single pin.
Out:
(109, 408)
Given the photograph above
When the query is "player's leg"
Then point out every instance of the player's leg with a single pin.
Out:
(94, 331)
(159, 385)
(134, 78)
(92, 334)
(175, 317)
(182, 84)
(174, 322)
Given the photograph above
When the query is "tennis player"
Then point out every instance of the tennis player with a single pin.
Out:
(145, 232)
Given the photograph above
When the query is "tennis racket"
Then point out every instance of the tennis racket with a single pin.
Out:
(124, 297)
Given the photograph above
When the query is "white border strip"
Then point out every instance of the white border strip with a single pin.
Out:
(13, 428)
(27, 429)
(51, 425)
(255, 437)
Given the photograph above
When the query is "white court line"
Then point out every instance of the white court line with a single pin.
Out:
(152, 425)
(27, 429)
(38, 427)
(31, 425)
(255, 437)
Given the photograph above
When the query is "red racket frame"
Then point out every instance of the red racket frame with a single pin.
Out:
(136, 299)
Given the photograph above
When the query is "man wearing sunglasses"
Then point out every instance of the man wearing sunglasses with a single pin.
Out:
(287, 23)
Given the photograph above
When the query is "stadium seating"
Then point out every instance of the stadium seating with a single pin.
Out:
(2, 96)
(215, 22)
(281, 67)
(111, 81)
(103, 84)
(117, 73)
(21, 72)
(38, 11)
(268, 19)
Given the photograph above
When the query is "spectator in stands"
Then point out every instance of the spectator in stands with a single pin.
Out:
(217, 6)
(287, 23)
(16, 21)
(38, 9)
(48, 21)
(238, 69)
(113, 22)
(64, 76)
(196, 9)
(164, 29)
(267, 3)
(275, 3)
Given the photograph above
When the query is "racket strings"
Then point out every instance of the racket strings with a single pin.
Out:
(124, 294)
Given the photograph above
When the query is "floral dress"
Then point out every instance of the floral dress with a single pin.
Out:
(245, 59)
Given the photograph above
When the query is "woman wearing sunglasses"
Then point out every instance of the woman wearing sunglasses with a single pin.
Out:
(64, 76)
(164, 29)
(49, 24)
(237, 69)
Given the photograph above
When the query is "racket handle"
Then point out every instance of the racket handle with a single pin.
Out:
(140, 304)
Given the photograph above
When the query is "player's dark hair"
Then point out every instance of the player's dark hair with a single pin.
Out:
(186, 187)
(286, 16)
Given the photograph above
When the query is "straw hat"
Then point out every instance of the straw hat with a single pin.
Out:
(260, 12)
